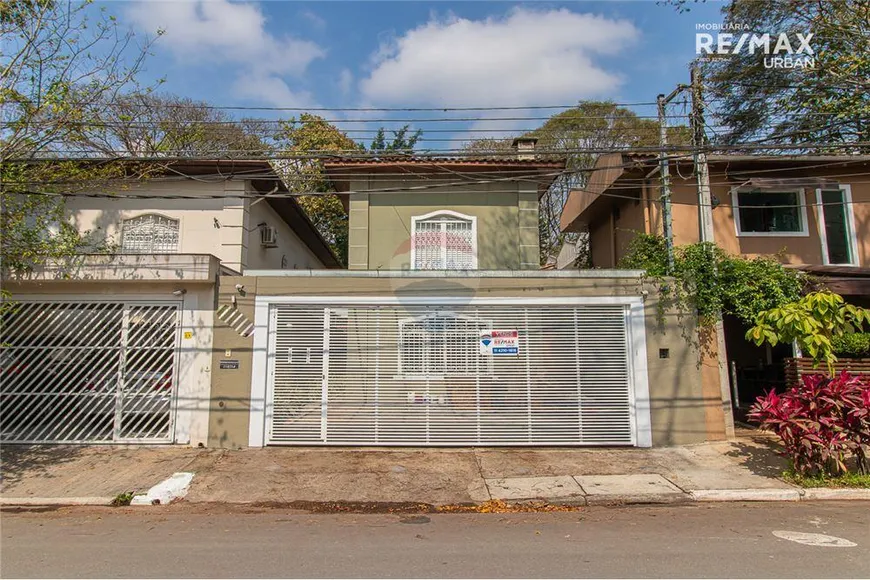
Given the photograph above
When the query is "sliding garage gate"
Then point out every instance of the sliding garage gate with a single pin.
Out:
(450, 375)
(98, 372)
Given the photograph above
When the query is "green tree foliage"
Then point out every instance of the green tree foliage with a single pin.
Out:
(58, 63)
(712, 280)
(401, 142)
(856, 345)
(312, 134)
(814, 322)
(828, 104)
(589, 125)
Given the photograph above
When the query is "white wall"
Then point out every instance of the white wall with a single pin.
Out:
(198, 232)
(291, 251)
(224, 227)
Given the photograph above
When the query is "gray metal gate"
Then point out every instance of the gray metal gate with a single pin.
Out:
(77, 372)
(439, 375)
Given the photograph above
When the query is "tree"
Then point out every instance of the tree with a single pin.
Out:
(145, 124)
(313, 135)
(589, 125)
(401, 143)
(827, 104)
(58, 63)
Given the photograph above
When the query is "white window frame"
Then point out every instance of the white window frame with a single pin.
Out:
(440, 213)
(151, 213)
(850, 217)
(802, 200)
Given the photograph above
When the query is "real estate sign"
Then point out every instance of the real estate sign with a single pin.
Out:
(500, 342)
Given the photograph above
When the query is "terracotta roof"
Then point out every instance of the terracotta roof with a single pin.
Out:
(338, 162)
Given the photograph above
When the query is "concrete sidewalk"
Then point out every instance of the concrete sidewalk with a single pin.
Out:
(739, 470)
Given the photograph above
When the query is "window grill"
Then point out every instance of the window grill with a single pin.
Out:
(442, 344)
(445, 241)
(149, 234)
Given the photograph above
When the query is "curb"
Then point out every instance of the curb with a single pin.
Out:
(745, 494)
(55, 501)
(605, 499)
(701, 495)
(827, 493)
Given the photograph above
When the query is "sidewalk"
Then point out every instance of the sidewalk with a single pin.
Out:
(740, 470)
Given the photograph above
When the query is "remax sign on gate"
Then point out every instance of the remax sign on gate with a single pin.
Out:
(780, 50)
(500, 342)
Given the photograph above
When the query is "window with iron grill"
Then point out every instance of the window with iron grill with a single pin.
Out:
(442, 344)
(444, 241)
(149, 234)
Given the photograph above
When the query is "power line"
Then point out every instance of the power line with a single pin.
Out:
(351, 109)
(435, 154)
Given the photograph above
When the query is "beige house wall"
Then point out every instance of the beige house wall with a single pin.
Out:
(381, 223)
(792, 249)
(291, 253)
(681, 411)
(224, 227)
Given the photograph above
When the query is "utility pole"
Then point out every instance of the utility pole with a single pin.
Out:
(705, 226)
(705, 199)
(665, 197)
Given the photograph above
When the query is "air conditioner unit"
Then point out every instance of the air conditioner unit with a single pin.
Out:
(268, 237)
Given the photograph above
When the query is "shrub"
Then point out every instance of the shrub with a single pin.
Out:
(820, 422)
(813, 322)
(852, 345)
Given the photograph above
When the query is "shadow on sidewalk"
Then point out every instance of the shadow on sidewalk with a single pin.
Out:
(759, 453)
(18, 462)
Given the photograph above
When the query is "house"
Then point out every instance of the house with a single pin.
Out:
(444, 329)
(117, 347)
(810, 212)
(226, 208)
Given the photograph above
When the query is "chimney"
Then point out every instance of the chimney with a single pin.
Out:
(525, 147)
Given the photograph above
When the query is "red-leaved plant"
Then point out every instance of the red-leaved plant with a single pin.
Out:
(820, 422)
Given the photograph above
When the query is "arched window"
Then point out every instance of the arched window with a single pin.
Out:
(149, 234)
(444, 240)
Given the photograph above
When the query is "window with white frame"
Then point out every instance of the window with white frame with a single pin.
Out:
(444, 240)
(770, 213)
(440, 344)
(149, 234)
(836, 223)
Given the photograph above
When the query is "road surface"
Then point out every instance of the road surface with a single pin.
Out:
(713, 540)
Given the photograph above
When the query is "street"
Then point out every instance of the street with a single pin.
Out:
(184, 540)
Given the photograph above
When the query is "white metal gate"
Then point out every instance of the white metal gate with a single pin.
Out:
(88, 372)
(420, 375)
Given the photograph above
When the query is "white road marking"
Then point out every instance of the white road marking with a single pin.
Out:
(814, 539)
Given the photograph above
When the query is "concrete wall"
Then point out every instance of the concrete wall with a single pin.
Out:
(681, 410)
(224, 227)
(197, 318)
(380, 223)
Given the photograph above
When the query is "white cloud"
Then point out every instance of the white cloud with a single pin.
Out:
(315, 20)
(232, 34)
(527, 57)
(345, 81)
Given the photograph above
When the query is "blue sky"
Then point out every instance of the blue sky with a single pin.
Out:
(416, 54)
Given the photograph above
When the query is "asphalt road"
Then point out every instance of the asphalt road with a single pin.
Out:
(721, 540)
